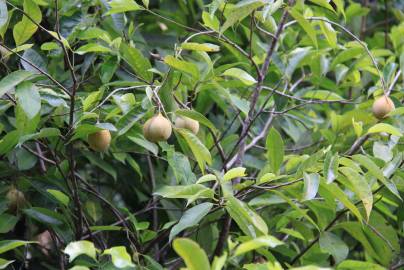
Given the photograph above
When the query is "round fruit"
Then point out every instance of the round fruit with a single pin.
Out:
(45, 242)
(158, 128)
(382, 107)
(188, 123)
(16, 199)
(100, 140)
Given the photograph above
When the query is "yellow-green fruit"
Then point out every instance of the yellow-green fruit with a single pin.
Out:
(382, 107)
(16, 199)
(45, 242)
(100, 140)
(188, 123)
(158, 128)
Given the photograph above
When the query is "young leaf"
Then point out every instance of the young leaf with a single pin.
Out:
(193, 255)
(24, 29)
(234, 173)
(120, 257)
(205, 47)
(84, 247)
(240, 74)
(275, 149)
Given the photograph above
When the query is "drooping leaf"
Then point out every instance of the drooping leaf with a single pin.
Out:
(140, 64)
(190, 218)
(120, 257)
(383, 127)
(183, 66)
(305, 24)
(332, 244)
(234, 173)
(193, 255)
(11, 80)
(240, 74)
(275, 149)
(311, 185)
(199, 150)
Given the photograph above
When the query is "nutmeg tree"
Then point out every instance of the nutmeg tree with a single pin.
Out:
(201, 134)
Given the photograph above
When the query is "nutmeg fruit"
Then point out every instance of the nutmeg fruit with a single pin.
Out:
(45, 242)
(382, 107)
(158, 128)
(16, 199)
(100, 140)
(188, 123)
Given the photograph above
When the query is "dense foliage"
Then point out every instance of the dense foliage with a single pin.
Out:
(224, 134)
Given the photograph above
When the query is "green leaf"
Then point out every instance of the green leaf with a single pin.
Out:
(191, 218)
(183, 66)
(358, 265)
(9, 141)
(332, 244)
(83, 131)
(119, 6)
(196, 116)
(360, 186)
(79, 267)
(294, 60)
(140, 64)
(206, 178)
(275, 149)
(84, 247)
(219, 262)
(11, 80)
(193, 255)
(234, 173)
(7, 222)
(92, 47)
(382, 127)
(29, 99)
(240, 74)
(102, 164)
(204, 47)
(305, 24)
(4, 263)
(329, 33)
(346, 55)
(331, 164)
(44, 215)
(322, 95)
(323, 3)
(43, 133)
(24, 29)
(241, 10)
(259, 242)
(249, 222)
(120, 257)
(60, 196)
(332, 190)
(311, 184)
(152, 147)
(199, 150)
(7, 245)
(185, 192)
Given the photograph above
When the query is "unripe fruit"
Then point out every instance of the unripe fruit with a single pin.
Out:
(382, 107)
(16, 199)
(188, 123)
(158, 128)
(100, 140)
(45, 242)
